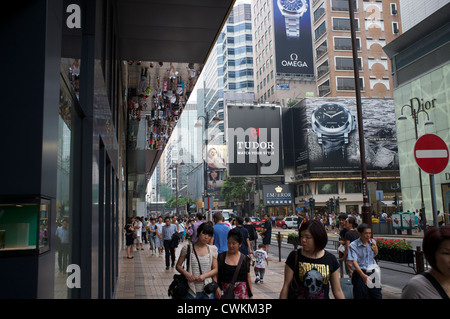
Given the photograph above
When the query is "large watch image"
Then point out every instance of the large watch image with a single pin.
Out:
(292, 11)
(333, 123)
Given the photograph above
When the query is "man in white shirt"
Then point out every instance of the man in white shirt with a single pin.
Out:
(138, 229)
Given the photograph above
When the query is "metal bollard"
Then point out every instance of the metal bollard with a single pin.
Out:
(279, 246)
(420, 265)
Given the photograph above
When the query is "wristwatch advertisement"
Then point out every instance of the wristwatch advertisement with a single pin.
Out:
(292, 28)
(292, 11)
(332, 124)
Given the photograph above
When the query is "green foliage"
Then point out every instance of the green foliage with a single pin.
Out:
(235, 189)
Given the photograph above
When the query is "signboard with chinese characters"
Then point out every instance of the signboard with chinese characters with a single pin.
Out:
(278, 195)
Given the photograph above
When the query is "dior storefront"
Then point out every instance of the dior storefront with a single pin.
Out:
(420, 60)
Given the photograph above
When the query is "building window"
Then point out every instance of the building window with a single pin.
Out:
(345, 44)
(321, 50)
(319, 13)
(327, 188)
(324, 88)
(343, 24)
(320, 31)
(348, 83)
(322, 69)
(394, 11)
(342, 5)
(352, 187)
(346, 63)
(395, 29)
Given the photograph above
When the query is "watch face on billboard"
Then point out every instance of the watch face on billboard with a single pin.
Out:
(293, 37)
(254, 140)
(333, 138)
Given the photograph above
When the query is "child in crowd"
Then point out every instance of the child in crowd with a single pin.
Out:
(261, 263)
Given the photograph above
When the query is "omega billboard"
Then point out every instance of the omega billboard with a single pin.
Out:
(254, 140)
(329, 134)
(293, 37)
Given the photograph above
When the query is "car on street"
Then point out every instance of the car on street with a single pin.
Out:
(256, 221)
(287, 222)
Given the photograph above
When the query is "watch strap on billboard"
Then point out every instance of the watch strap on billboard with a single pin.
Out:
(292, 27)
(333, 147)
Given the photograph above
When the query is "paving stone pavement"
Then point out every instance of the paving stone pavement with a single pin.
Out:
(145, 277)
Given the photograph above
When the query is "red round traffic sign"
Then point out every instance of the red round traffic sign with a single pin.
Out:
(431, 153)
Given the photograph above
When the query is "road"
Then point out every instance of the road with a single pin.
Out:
(393, 274)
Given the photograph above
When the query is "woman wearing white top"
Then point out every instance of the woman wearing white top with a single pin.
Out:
(207, 258)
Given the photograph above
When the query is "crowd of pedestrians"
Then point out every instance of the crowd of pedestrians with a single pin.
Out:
(217, 258)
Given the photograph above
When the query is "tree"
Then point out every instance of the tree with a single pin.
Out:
(235, 189)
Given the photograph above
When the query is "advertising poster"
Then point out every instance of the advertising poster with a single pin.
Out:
(216, 165)
(254, 140)
(293, 37)
(333, 139)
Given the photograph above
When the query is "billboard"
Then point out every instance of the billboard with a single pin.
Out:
(293, 37)
(254, 140)
(278, 195)
(216, 165)
(326, 134)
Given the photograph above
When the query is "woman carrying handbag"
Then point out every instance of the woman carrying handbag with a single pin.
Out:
(234, 270)
(202, 266)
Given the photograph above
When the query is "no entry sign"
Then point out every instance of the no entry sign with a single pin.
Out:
(431, 153)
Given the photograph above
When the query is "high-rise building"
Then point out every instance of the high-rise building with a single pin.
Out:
(310, 53)
(376, 24)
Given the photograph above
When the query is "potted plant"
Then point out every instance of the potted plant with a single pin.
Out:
(293, 239)
(395, 250)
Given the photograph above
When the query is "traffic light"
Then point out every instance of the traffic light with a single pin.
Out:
(395, 202)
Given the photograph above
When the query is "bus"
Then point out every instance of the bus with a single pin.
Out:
(226, 213)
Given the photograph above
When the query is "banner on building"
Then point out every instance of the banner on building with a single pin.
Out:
(254, 140)
(293, 37)
(326, 134)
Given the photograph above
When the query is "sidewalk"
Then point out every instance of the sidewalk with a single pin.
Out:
(145, 277)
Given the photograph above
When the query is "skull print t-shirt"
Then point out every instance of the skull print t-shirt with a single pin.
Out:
(313, 275)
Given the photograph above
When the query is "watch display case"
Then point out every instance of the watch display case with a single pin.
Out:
(24, 225)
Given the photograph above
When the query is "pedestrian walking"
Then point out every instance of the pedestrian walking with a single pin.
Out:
(234, 270)
(202, 264)
(144, 231)
(311, 270)
(221, 230)
(193, 230)
(261, 262)
(159, 238)
(266, 234)
(168, 230)
(366, 275)
(245, 247)
(252, 233)
(350, 236)
(433, 283)
(152, 235)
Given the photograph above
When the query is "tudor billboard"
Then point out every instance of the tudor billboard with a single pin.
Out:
(254, 140)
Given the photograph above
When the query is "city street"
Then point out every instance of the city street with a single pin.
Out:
(145, 277)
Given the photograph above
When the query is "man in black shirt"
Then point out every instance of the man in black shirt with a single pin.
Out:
(267, 232)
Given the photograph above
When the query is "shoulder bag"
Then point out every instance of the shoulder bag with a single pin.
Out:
(229, 292)
(179, 287)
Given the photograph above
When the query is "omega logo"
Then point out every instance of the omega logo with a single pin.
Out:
(294, 61)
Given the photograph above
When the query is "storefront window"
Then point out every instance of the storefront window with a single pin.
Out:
(328, 188)
(352, 187)
(63, 213)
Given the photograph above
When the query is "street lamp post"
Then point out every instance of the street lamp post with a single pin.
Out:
(176, 184)
(414, 114)
(198, 124)
(366, 209)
